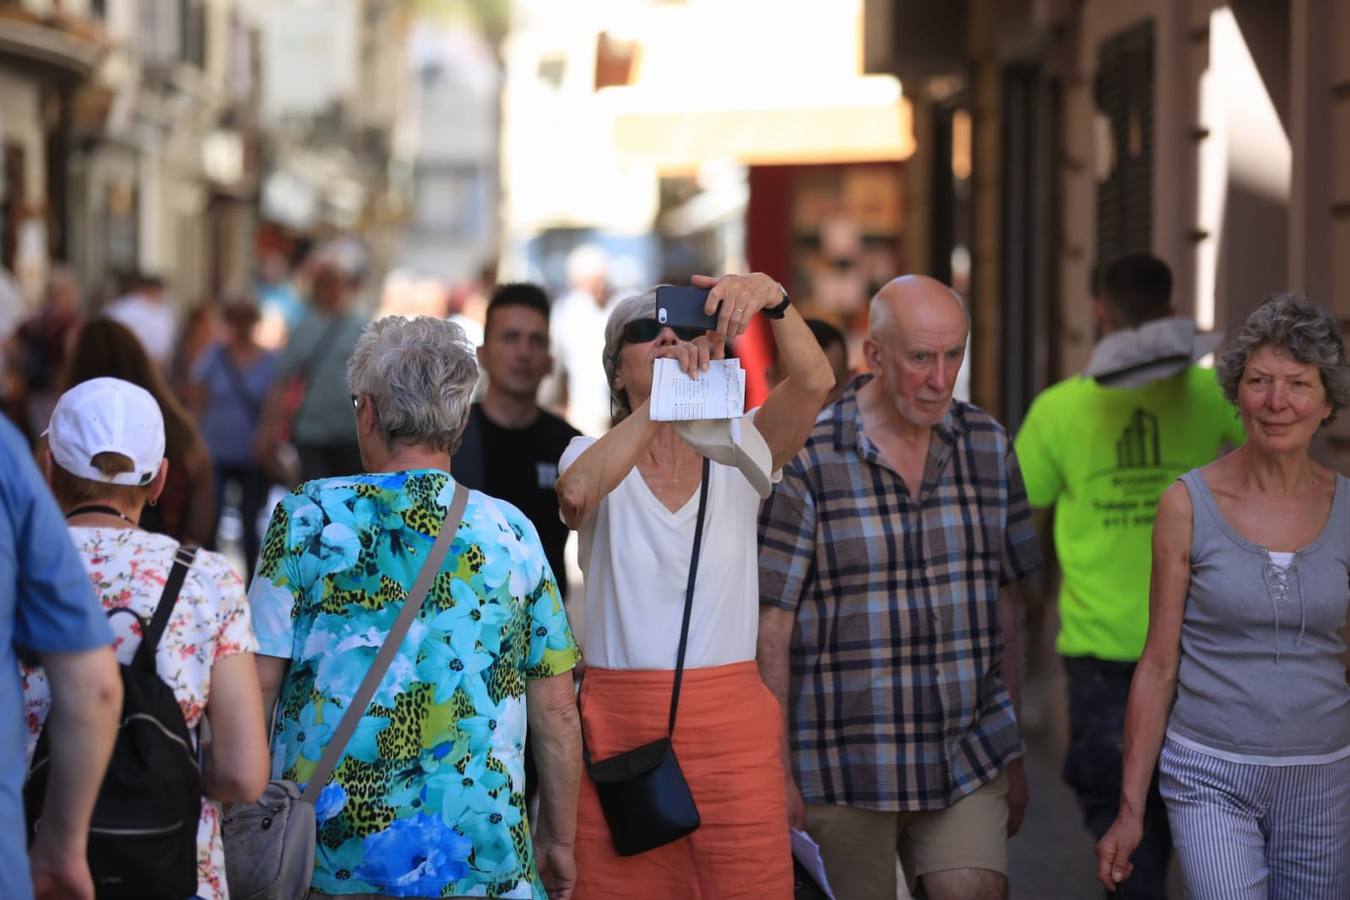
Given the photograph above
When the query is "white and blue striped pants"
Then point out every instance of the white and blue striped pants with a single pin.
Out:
(1255, 832)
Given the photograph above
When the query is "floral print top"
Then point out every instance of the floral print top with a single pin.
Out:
(428, 797)
(210, 621)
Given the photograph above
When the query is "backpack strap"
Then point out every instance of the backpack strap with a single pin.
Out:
(145, 653)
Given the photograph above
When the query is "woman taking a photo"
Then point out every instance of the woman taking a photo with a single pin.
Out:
(1247, 628)
(634, 497)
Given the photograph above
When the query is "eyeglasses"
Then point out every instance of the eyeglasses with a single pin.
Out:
(641, 331)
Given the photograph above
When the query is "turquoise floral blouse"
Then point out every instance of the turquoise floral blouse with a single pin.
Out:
(428, 798)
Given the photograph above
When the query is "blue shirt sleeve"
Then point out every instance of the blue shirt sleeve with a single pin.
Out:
(55, 607)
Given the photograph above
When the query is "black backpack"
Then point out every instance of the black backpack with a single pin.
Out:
(143, 835)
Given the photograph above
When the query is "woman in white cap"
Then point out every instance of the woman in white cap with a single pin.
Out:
(105, 462)
(635, 498)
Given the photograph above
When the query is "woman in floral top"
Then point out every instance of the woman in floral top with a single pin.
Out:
(105, 461)
(427, 799)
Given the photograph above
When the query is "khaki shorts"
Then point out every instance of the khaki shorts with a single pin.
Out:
(859, 845)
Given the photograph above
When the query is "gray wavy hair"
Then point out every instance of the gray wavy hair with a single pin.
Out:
(420, 374)
(629, 309)
(1302, 329)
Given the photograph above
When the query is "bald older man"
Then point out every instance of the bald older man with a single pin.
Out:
(888, 555)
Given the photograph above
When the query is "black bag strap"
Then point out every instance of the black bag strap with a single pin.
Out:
(684, 625)
(431, 566)
(689, 597)
(182, 561)
(324, 344)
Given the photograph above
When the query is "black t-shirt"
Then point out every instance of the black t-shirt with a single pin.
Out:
(520, 466)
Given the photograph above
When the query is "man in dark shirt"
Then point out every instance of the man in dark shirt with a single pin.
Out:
(511, 447)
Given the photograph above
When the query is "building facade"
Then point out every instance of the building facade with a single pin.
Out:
(45, 59)
(1216, 135)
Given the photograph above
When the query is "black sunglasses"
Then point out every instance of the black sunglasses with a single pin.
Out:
(640, 331)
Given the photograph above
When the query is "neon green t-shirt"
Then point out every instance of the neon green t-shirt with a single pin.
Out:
(1103, 457)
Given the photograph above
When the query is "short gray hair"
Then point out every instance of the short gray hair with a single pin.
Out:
(629, 309)
(420, 374)
(1300, 328)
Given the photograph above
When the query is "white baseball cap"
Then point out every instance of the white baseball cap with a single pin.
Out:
(107, 415)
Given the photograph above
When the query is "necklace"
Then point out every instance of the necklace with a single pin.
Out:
(101, 510)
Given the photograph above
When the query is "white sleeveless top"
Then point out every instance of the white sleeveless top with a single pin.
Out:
(635, 553)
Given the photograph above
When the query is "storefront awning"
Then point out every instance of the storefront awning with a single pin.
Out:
(863, 120)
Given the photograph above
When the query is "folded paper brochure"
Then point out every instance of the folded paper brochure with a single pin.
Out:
(718, 393)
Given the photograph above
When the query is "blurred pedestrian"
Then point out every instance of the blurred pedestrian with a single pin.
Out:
(276, 291)
(639, 498)
(835, 346)
(105, 462)
(202, 329)
(144, 308)
(468, 303)
(1100, 448)
(1243, 678)
(438, 754)
(42, 343)
(13, 402)
(48, 609)
(309, 398)
(577, 329)
(229, 384)
(186, 509)
(889, 558)
(13, 306)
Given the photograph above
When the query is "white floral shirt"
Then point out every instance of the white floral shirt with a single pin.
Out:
(209, 621)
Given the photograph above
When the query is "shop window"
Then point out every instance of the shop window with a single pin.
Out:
(192, 42)
(1124, 141)
(551, 70)
(615, 61)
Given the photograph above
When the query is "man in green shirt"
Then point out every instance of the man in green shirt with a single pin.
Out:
(1101, 447)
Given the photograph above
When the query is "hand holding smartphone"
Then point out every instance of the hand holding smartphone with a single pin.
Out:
(682, 308)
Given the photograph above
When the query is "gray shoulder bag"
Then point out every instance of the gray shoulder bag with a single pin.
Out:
(269, 845)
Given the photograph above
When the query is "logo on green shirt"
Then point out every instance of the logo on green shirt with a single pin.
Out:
(1139, 446)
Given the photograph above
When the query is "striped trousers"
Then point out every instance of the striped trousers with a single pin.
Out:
(1256, 832)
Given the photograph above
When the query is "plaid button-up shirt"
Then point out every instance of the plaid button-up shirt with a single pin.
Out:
(896, 698)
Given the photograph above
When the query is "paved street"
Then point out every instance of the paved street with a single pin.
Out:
(1051, 858)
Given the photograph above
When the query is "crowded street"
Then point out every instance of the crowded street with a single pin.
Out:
(674, 449)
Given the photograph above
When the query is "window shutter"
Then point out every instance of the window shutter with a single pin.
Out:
(1125, 97)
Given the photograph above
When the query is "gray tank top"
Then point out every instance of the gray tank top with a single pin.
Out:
(1261, 668)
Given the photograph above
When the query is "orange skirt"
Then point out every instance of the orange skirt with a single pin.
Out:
(727, 743)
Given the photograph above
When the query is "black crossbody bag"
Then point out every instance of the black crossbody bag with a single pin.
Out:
(643, 793)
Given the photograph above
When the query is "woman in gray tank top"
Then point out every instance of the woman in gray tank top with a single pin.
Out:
(1243, 683)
